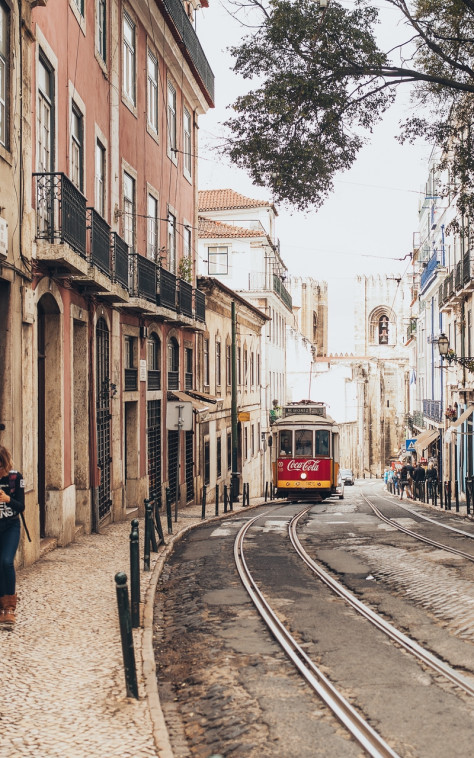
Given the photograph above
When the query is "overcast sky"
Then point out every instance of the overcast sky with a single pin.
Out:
(368, 221)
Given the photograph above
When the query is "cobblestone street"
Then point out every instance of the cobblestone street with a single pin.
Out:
(63, 687)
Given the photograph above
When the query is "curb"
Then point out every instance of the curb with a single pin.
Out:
(159, 728)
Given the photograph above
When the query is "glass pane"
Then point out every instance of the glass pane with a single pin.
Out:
(322, 442)
(303, 442)
(286, 442)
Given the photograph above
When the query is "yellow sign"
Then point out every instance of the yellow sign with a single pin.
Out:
(244, 416)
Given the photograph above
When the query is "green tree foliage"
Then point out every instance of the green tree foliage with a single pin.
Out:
(323, 82)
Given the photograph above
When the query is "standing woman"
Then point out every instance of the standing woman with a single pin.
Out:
(12, 503)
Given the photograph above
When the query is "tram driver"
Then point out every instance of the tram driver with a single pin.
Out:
(286, 446)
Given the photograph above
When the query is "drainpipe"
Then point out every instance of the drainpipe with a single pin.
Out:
(234, 475)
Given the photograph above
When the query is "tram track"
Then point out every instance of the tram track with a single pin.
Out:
(365, 735)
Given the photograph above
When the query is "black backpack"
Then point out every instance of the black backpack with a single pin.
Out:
(12, 480)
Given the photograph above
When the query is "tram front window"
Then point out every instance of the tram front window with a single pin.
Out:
(304, 443)
(286, 446)
(322, 442)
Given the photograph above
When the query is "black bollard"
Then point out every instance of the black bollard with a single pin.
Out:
(217, 500)
(126, 635)
(231, 498)
(203, 501)
(456, 495)
(266, 491)
(147, 540)
(168, 511)
(151, 525)
(134, 575)
(225, 498)
(159, 528)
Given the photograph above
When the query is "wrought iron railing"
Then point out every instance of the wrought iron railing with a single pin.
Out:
(440, 294)
(432, 409)
(167, 289)
(411, 329)
(176, 10)
(143, 277)
(60, 211)
(199, 305)
(120, 260)
(154, 380)
(173, 380)
(281, 290)
(188, 381)
(449, 286)
(185, 298)
(99, 241)
(131, 379)
(429, 271)
(458, 275)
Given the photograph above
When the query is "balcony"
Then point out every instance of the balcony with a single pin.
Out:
(270, 282)
(188, 381)
(167, 290)
(432, 409)
(119, 260)
(185, 298)
(199, 306)
(192, 49)
(429, 272)
(154, 380)
(173, 380)
(131, 380)
(411, 329)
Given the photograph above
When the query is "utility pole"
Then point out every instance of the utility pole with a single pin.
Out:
(234, 475)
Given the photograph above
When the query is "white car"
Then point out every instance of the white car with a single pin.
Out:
(347, 476)
(340, 488)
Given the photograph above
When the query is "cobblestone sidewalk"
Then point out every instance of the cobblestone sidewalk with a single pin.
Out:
(61, 670)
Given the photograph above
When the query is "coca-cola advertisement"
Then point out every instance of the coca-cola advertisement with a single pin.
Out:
(314, 468)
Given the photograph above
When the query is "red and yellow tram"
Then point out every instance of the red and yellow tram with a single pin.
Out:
(305, 452)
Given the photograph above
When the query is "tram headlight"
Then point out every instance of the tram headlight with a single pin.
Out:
(303, 475)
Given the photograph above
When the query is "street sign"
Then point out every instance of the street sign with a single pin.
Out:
(410, 445)
(179, 411)
(244, 416)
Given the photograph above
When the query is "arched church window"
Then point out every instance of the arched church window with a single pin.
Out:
(383, 330)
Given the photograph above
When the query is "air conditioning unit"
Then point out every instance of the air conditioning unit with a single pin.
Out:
(3, 238)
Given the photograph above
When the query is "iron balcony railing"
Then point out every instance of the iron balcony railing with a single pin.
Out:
(60, 211)
(281, 290)
(199, 306)
(175, 9)
(173, 380)
(119, 259)
(458, 275)
(142, 277)
(99, 242)
(167, 290)
(432, 409)
(185, 298)
(441, 294)
(418, 419)
(154, 380)
(131, 379)
(411, 329)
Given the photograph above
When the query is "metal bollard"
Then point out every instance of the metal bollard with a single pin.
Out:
(126, 635)
(134, 575)
(266, 491)
(169, 516)
(151, 523)
(147, 540)
(203, 501)
(159, 528)
(231, 498)
(225, 498)
(456, 495)
(217, 500)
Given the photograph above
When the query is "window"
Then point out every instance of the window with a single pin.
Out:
(80, 6)
(188, 368)
(218, 364)
(129, 360)
(304, 442)
(229, 451)
(322, 442)
(245, 367)
(77, 147)
(172, 243)
(286, 443)
(252, 440)
(239, 365)
(252, 369)
(258, 370)
(186, 242)
(383, 330)
(173, 364)
(207, 463)
(152, 228)
(187, 158)
(153, 360)
(129, 210)
(217, 260)
(100, 178)
(100, 28)
(246, 443)
(45, 116)
(228, 364)
(172, 122)
(205, 377)
(152, 92)
(4, 73)
(129, 58)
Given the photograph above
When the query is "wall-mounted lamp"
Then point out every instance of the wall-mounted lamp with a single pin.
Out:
(448, 354)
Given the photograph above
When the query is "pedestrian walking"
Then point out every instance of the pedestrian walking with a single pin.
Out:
(12, 504)
(419, 476)
(431, 479)
(403, 481)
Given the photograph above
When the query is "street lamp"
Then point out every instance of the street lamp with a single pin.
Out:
(446, 352)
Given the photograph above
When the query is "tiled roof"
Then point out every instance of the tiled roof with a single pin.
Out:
(209, 229)
(227, 199)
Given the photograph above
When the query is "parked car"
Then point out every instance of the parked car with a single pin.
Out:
(347, 476)
(340, 487)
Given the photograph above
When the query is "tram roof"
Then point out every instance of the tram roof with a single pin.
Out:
(304, 420)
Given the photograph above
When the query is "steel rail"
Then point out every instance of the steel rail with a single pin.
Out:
(426, 518)
(466, 684)
(365, 735)
(411, 533)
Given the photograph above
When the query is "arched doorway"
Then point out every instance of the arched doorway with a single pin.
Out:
(49, 418)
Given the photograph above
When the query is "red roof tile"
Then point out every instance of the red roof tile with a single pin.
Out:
(209, 229)
(227, 199)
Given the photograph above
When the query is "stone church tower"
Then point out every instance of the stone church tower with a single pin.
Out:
(380, 369)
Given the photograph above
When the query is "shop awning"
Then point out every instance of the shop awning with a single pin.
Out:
(425, 439)
(185, 398)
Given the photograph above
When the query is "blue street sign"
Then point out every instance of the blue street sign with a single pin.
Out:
(410, 445)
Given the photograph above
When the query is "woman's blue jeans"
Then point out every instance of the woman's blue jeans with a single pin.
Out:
(9, 540)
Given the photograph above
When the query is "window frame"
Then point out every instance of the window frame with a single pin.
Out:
(77, 146)
(101, 29)
(45, 99)
(5, 64)
(171, 238)
(218, 363)
(129, 211)
(100, 178)
(205, 362)
(152, 88)
(152, 228)
(214, 266)
(172, 123)
(129, 62)
(187, 143)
